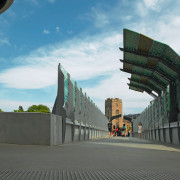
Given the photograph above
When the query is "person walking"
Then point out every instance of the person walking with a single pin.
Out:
(114, 131)
(128, 132)
(140, 129)
(123, 130)
(109, 125)
(117, 130)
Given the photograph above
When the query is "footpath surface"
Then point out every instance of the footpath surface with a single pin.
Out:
(99, 159)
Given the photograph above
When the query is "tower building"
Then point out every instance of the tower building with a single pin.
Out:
(114, 107)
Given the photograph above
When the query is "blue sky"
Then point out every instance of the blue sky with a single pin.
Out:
(84, 36)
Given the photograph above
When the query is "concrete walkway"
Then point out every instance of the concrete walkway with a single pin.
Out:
(114, 158)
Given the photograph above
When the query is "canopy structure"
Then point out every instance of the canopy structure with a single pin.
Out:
(153, 66)
(5, 4)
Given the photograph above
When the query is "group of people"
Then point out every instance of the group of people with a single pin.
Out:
(116, 130)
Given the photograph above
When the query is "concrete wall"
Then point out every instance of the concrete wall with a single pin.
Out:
(55, 130)
(30, 128)
(42, 129)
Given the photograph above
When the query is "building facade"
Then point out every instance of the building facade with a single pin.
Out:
(113, 106)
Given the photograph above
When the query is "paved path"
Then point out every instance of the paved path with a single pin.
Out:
(114, 158)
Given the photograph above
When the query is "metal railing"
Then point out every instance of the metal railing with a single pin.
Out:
(156, 114)
(73, 104)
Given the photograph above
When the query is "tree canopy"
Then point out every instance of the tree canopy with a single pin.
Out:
(39, 108)
(34, 108)
(20, 109)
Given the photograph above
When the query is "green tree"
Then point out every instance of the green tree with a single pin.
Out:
(39, 108)
(1, 110)
(20, 109)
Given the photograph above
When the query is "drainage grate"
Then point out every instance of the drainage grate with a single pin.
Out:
(89, 175)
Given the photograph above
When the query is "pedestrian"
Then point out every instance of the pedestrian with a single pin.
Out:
(114, 130)
(117, 130)
(119, 133)
(123, 130)
(109, 125)
(128, 133)
(140, 129)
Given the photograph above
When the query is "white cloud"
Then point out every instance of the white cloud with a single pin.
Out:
(143, 7)
(99, 17)
(33, 1)
(69, 32)
(57, 29)
(4, 41)
(45, 31)
(30, 77)
(83, 59)
(51, 1)
(153, 4)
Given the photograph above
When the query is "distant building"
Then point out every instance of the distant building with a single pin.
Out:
(114, 107)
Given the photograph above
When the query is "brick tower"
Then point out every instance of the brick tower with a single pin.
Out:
(114, 107)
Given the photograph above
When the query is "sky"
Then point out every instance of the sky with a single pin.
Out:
(84, 36)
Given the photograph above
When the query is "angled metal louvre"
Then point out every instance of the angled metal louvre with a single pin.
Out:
(141, 89)
(145, 44)
(146, 80)
(157, 49)
(145, 72)
(140, 86)
(170, 55)
(136, 89)
(153, 76)
(142, 44)
(164, 69)
(131, 39)
(148, 83)
(160, 79)
(150, 63)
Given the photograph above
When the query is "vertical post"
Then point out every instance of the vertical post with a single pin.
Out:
(77, 115)
(58, 108)
(178, 96)
(85, 118)
(178, 109)
(69, 105)
(173, 108)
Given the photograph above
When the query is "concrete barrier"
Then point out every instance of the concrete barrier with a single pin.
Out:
(42, 129)
(30, 128)
(168, 133)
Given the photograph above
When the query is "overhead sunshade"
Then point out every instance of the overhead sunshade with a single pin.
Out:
(144, 45)
(153, 65)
